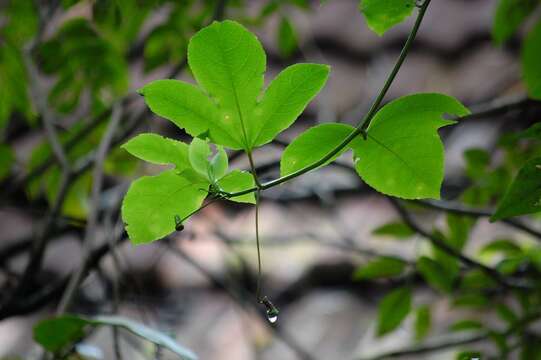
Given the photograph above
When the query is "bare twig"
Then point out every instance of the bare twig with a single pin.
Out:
(459, 209)
(97, 180)
(493, 273)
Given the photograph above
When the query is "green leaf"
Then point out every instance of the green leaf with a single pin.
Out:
(524, 194)
(403, 155)
(423, 321)
(466, 325)
(152, 202)
(435, 274)
(14, 89)
(237, 181)
(198, 153)
(531, 58)
(285, 99)
(219, 164)
(533, 132)
(57, 333)
(229, 62)
(476, 301)
(476, 279)
(504, 246)
(507, 314)
(287, 38)
(477, 161)
(510, 14)
(160, 150)
(312, 145)
(393, 309)
(397, 230)
(382, 267)
(7, 157)
(187, 107)
(381, 15)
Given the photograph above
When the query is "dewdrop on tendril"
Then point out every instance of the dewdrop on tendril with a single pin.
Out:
(272, 311)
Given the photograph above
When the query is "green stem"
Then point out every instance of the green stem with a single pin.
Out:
(361, 127)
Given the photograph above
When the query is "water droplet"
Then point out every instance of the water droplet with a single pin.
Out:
(272, 318)
(272, 311)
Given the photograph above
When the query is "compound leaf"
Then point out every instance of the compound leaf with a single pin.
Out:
(228, 63)
(403, 155)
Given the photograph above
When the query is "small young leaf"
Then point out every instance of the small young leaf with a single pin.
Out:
(198, 153)
(423, 321)
(397, 230)
(381, 15)
(237, 181)
(510, 14)
(152, 202)
(531, 58)
(287, 38)
(219, 163)
(524, 194)
(55, 334)
(403, 155)
(312, 145)
(393, 309)
(285, 99)
(435, 274)
(159, 150)
(382, 267)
